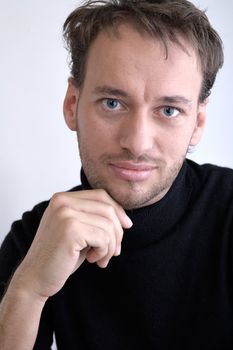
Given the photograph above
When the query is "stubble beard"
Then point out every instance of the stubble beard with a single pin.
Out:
(136, 196)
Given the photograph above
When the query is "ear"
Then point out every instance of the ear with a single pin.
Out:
(200, 123)
(70, 105)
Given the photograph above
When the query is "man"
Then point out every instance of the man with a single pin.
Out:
(140, 254)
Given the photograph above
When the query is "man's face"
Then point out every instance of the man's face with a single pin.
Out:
(136, 115)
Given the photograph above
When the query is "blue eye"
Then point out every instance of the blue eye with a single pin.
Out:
(170, 112)
(111, 103)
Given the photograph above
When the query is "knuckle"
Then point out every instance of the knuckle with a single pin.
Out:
(120, 234)
(102, 239)
(58, 200)
(103, 263)
(102, 251)
(110, 211)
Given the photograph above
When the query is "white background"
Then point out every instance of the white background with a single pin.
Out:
(38, 154)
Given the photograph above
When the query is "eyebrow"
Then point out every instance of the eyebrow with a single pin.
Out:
(109, 90)
(175, 99)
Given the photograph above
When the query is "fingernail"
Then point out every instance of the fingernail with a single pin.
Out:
(118, 250)
(129, 222)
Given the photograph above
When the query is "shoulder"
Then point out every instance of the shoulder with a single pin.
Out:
(211, 184)
(211, 174)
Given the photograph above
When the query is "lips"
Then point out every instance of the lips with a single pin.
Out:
(132, 171)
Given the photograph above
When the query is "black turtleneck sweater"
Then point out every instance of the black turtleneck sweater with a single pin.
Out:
(172, 285)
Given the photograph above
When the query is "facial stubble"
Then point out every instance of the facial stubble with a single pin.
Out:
(137, 194)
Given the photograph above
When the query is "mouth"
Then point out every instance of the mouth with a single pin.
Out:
(129, 171)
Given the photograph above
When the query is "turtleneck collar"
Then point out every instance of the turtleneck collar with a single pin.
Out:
(151, 223)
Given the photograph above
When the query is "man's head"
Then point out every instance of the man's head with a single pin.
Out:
(137, 97)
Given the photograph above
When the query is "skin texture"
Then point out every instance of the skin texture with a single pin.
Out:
(135, 117)
(128, 143)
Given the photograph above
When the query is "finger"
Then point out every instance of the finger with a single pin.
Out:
(102, 245)
(82, 257)
(81, 230)
(97, 195)
(64, 205)
(102, 196)
(110, 225)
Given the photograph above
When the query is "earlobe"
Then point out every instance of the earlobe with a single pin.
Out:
(200, 124)
(70, 105)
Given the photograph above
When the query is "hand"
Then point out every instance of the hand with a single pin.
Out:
(75, 226)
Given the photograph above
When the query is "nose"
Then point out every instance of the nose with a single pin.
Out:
(136, 135)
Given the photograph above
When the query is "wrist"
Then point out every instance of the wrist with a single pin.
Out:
(24, 288)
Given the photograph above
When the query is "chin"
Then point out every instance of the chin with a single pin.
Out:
(132, 199)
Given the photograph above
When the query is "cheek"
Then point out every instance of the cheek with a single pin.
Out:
(175, 143)
(98, 138)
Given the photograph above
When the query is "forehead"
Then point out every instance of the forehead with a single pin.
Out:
(131, 36)
(117, 56)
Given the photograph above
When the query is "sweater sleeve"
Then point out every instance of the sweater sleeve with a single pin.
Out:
(12, 251)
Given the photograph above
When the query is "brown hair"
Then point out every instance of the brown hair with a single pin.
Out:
(167, 20)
